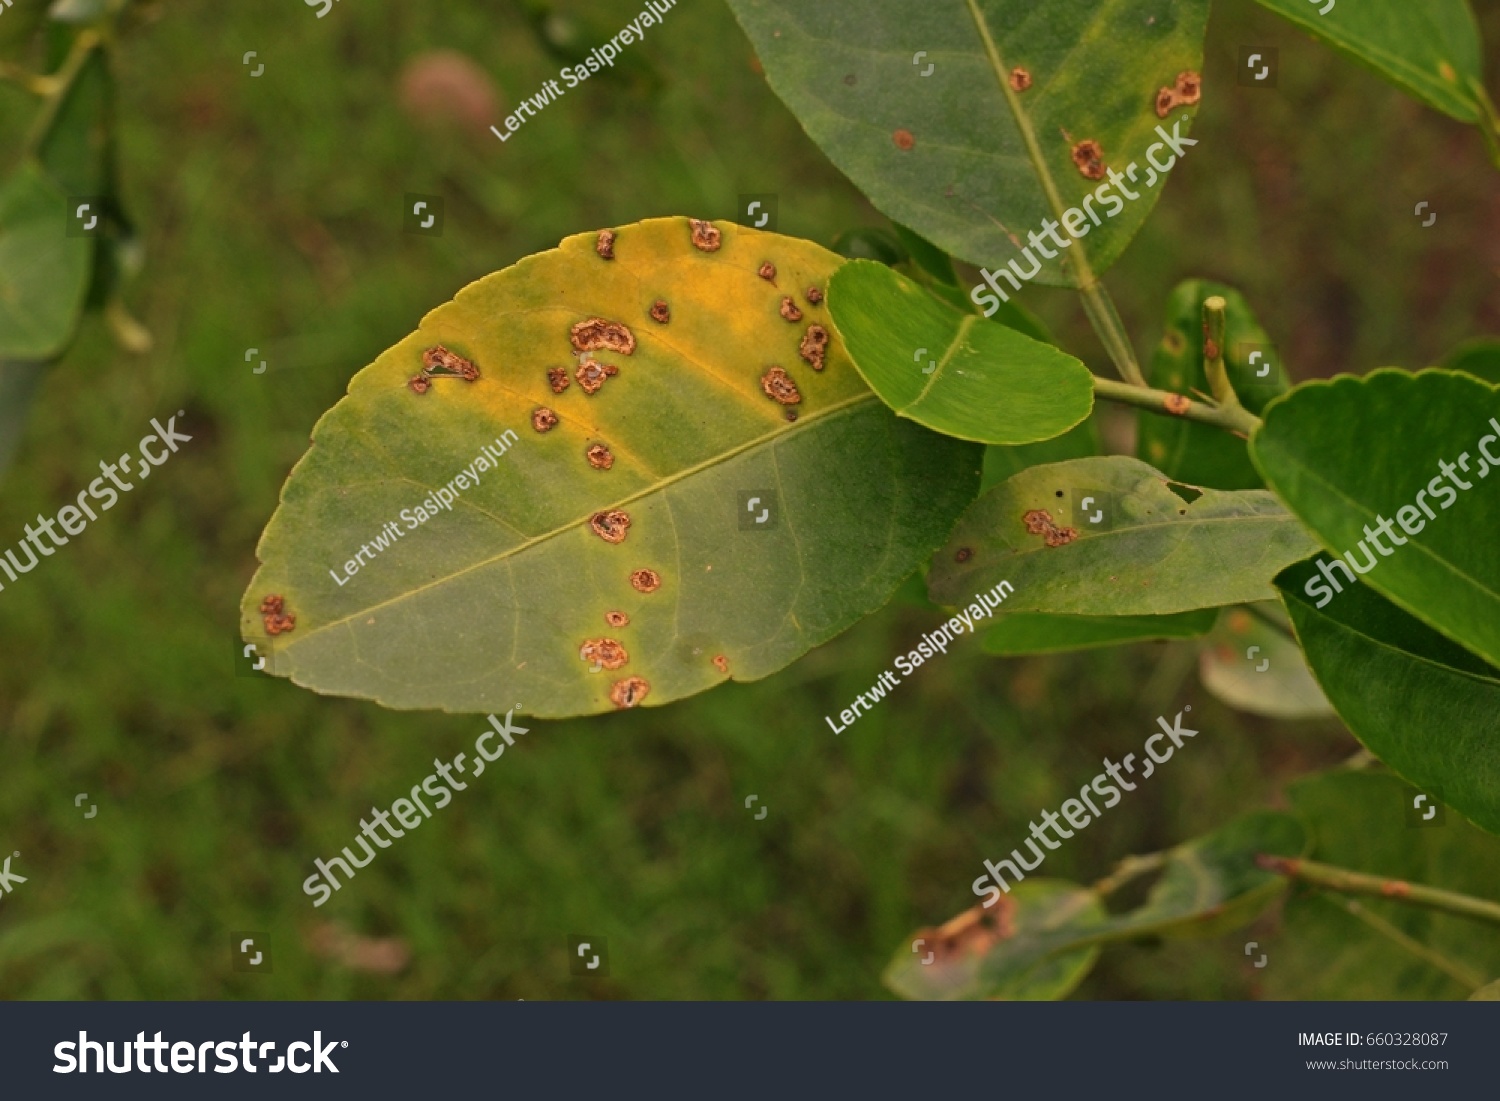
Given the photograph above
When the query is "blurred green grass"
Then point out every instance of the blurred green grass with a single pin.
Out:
(272, 209)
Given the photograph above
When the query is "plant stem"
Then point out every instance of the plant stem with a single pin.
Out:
(1489, 121)
(1358, 883)
(1213, 353)
(1100, 308)
(36, 85)
(1236, 419)
(1128, 869)
(1455, 971)
(61, 83)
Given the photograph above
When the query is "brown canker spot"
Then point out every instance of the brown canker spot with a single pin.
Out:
(1395, 888)
(779, 386)
(1089, 157)
(617, 619)
(791, 415)
(596, 333)
(1039, 522)
(1020, 79)
(1186, 90)
(591, 375)
(660, 312)
(721, 663)
(279, 624)
(814, 296)
(706, 235)
(605, 651)
(814, 346)
(645, 581)
(599, 457)
(964, 554)
(610, 526)
(789, 310)
(543, 419)
(440, 359)
(972, 933)
(272, 605)
(557, 378)
(1166, 99)
(767, 272)
(628, 692)
(1176, 404)
(419, 384)
(904, 140)
(605, 246)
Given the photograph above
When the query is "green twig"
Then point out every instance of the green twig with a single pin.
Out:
(1457, 972)
(1213, 354)
(1358, 883)
(1236, 419)
(1489, 120)
(61, 83)
(33, 83)
(1131, 868)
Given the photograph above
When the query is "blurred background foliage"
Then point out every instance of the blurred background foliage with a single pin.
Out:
(271, 212)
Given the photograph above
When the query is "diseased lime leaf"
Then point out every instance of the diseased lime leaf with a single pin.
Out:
(1254, 667)
(1109, 536)
(1023, 112)
(951, 371)
(1377, 468)
(670, 530)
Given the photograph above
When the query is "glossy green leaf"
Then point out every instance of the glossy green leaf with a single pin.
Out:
(1205, 886)
(1254, 667)
(1345, 455)
(958, 154)
(953, 372)
(944, 964)
(1153, 553)
(1034, 633)
(490, 605)
(1480, 358)
(1423, 705)
(1198, 453)
(1429, 49)
(43, 271)
(1323, 951)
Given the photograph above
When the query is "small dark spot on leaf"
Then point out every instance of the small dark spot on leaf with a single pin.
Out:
(1020, 79)
(596, 333)
(903, 139)
(706, 236)
(419, 384)
(814, 346)
(791, 414)
(645, 581)
(617, 619)
(789, 309)
(557, 378)
(1089, 157)
(767, 272)
(629, 692)
(850, 79)
(591, 375)
(721, 663)
(605, 246)
(1173, 342)
(1176, 404)
(543, 419)
(660, 312)
(606, 651)
(779, 386)
(599, 457)
(610, 526)
(964, 554)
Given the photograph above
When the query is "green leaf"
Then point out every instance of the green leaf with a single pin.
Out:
(1031, 633)
(1078, 442)
(1036, 941)
(1154, 553)
(1251, 666)
(1358, 820)
(950, 371)
(1423, 705)
(1031, 914)
(1198, 453)
(43, 271)
(1480, 358)
(959, 155)
(1349, 453)
(489, 606)
(1430, 50)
